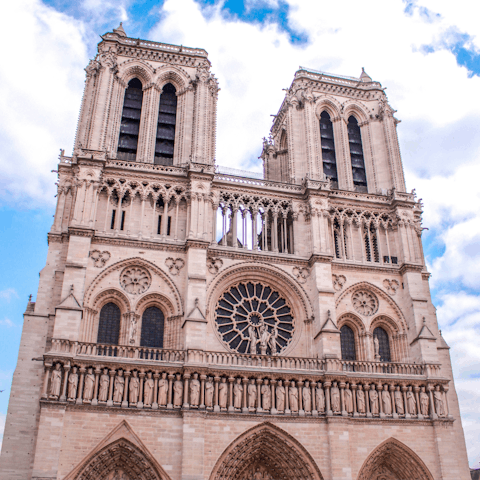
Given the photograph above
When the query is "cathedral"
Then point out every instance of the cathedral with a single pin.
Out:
(194, 322)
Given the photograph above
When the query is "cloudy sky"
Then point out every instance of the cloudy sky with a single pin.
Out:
(426, 52)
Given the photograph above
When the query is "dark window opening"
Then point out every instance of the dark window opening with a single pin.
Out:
(347, 342)
(367, 248)
(152, 328)
(169, 225)
(159, 225)
(394, 260)
(112, 224)
(386, 259)
(122, 223)
(109, 324)
(328, 147)
(167, 118)
(383, 344)
(356, 155)
(130, 124)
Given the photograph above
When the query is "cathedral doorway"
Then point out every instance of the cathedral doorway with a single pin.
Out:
(265, 452)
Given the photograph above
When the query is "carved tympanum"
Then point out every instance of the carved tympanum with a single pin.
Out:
(135, 280)
(365, 302)
(254, 318)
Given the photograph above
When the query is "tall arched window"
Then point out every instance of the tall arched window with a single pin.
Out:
(328, 147)
(130, 126)
(109, 324)
(347, 342)
(356, 155)
(383, 344)
(152, 328)
(167, 117)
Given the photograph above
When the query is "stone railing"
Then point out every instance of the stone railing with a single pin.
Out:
(98, 381)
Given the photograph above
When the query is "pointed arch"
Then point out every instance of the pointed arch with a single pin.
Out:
(393, 458)
(266, 447)
(135, 68)
(174, 75)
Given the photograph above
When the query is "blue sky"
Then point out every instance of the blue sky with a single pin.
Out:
(426, 52)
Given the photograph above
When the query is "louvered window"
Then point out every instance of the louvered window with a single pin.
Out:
(328, 147)
(109, 324)
(152, 328)
(130, 125)
(347, 341)
(167, 117)
(383, 344)
(356, 155)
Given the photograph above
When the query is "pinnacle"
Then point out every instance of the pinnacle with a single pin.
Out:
(120, 31)
(364, 77)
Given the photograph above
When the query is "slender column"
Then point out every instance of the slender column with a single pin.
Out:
(93, 209)
(392, 398)
(177, 206)
(216, 407)
(416, 390)
(80, 386)
(154, 218)
(372, 253)
(45, 381)
(214, 223)
(130, 216)
(234, 227)
(264, 231)
(156, 376)
(388, 245)
(202, 392)
(87, 196)
(313, 386)
(245, 386)
(259, 382)
(327, 386)
(231, 408)
(362, 243)
(126, 374)
(141, 217)
(224, 225)
(275, 232)
(63, 396)
(404, 391)
(186, 377)
(366, 389)
(140, 392)
(433, 415)
(98, 371)
(244, 228)
(342, 398)
(165, 219)
(80, 195)
(343, 252)
(353, 387)
(301, 411)
(273, 410)
(170, 383)
(380, 403)
(286, 383)
(111, 373)
(285, 243)
(320, 230)
(254, 214)
(379, 245)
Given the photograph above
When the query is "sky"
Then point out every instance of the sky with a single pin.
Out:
(426, 52)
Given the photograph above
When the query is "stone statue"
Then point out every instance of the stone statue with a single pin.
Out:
(439, 406)
(376, 346)
(252, 394)
(264, 338)
(335, 396)
(223, 394)
(253, 339)
(237, 394)
(119, 386)
(424, 402)
(195, 391)
(374, 406)
(148, 390)
(209, 388)
(272, 342)
(134, 388)
(104, 383)
(307, 397)
(280, 396)
(348, 400)
(411, 403)
(360, 401)
(133, 329)
(56, 381)
(178, 391)
(320, 398)
(266, 397)
(386, 401)
(88, 386)
(398, 401)
(162, 390)
(293, 397)
(72, 384)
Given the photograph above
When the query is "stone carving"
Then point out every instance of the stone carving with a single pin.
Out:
(398, 401)
(386, 401)
(391, 286)
(374, 406)
(104, 383)
(252, 394)
(348, 400)
(135, 280)
(133, 328)
(195, 391)
(320, 398)
(134, 388)
(72, 384)
(237, 394)
(119, 387)
(100, 258)
(301, 274)
(411, 402)
(365, 303)
(174, 265)
(214, 265)
(376, 348)
(264, 334)
(307, 397)
(335, 396)
(338, 281)
(88, 386)
(280, 396)
(293, 397)
(266, 397)
(162, 389)
(439, 405)
(223, 394)
(56, 382)
(209, 393)
(360, 400)
(148, 390)
(424, 402)
(177, 391)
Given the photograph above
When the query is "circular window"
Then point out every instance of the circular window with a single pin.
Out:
(365, 303)
(254, 318)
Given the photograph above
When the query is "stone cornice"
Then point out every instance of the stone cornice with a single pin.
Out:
(340, 266)
(140, 243)
(81, 231)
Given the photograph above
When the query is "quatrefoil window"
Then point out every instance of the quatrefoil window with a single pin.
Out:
(254, 318)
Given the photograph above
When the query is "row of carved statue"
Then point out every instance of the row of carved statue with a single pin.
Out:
(131, 388)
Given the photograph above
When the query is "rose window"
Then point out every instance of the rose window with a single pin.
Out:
(365, 303)
(253, 318)
(135, 280)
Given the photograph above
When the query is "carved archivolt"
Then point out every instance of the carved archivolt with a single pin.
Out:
(268, 449)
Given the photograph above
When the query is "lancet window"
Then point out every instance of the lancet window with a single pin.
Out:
(152, 328)
(371, 243)
(167, 117)
(109, 324)
(130, 123)
(328, 147)
(347, 342)
(383, 344)
(356, 155)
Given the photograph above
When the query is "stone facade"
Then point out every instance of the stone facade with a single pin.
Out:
(195, 324)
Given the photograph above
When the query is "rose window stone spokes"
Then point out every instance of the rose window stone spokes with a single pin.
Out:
(254, 318)
(365, 302)
(135, 280)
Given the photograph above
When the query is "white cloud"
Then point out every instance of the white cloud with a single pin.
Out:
(3, 419)
(8, 294)
(6, 322)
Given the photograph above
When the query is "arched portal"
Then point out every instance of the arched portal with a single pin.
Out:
(392, 460)
(265, 451)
